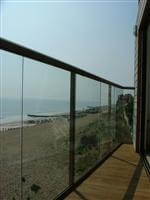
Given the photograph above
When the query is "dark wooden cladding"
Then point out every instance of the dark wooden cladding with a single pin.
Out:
(144, 15)
(142, 22)
(29, 53)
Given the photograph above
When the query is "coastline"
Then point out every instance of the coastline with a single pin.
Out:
(29, 121)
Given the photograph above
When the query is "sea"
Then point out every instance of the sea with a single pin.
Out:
(12, 110)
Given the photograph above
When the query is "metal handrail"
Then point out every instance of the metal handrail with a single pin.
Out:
(29, 53)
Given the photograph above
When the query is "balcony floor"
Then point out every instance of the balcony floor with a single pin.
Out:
(121, 177)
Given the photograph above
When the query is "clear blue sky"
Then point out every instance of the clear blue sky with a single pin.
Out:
(96, 36)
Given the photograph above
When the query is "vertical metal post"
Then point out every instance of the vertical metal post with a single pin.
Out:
(115, 106)
(72, 128)
(117, 110)
(109, 102)
(109, 114)
(100, 115)
(21, 139)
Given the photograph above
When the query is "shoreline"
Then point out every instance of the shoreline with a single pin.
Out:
(33, 119)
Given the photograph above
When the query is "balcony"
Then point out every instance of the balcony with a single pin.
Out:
(58, 125)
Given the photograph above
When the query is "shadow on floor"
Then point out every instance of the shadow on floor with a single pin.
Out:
(80, 195)
(129, 194)
(124, 161)
(133, 182)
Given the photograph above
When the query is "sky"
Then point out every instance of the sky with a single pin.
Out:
(96, 36)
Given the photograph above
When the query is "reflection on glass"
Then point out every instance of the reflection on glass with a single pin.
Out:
(129, 108)
(134, 118)
(46, 130)
(124, 110)
(121, 127)
(10, 123)
(87, 135)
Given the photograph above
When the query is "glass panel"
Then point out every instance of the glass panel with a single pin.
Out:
(46, 130)
(87, 136)
(10, 126)
(119, 118)
(113, 117)
(105, 121)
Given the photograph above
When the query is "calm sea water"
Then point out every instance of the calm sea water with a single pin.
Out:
(11, 109)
